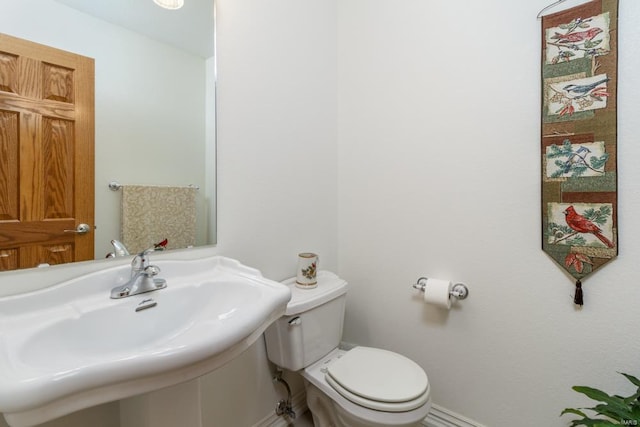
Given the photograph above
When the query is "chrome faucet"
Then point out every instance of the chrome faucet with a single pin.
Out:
(142, 277)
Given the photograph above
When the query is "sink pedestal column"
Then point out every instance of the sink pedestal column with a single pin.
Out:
(178, 405)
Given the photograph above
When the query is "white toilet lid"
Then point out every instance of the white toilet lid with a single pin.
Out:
(379, 379)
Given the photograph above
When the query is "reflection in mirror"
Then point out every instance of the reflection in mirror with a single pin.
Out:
(154, 95)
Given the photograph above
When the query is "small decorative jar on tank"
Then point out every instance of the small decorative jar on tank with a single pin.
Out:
(307, 270)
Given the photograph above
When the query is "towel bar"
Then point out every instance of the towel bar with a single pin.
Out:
(115, 186)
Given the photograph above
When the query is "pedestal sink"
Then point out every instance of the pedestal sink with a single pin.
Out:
(71, 346)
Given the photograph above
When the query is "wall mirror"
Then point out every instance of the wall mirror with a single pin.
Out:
(154, 94)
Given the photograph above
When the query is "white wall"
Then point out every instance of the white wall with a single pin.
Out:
(277, 167)
(276, 123)
(439, 176)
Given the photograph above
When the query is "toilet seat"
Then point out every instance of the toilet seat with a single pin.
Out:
(379, 379)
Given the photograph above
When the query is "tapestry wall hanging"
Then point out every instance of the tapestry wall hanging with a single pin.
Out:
(579, 138)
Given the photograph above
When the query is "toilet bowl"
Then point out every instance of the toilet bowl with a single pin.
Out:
(359, 387)
(368, 403)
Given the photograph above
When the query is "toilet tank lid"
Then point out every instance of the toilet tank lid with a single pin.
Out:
(330, 286)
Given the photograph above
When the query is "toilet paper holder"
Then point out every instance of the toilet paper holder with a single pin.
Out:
(459, 291)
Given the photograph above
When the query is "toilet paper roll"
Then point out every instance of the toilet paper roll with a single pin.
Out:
(437, 292)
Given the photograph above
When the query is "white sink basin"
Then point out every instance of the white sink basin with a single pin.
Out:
(71, 346)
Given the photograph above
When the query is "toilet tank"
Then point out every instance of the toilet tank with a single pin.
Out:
(312, 324)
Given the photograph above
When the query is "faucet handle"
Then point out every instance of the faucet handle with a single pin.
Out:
(151, 270)
(141, 260)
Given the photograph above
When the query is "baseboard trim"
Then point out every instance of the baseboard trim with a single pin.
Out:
(441, 417)
(299, 404)
(438, 416)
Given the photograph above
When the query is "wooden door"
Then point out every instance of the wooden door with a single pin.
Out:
(46, 154)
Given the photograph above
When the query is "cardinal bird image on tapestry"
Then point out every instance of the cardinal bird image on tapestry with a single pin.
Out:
(581, 224)
(586, 227)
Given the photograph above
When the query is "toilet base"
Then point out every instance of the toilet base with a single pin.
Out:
(330, 409)
(326, 413)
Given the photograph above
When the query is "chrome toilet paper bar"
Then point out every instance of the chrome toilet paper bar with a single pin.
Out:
(458, 291)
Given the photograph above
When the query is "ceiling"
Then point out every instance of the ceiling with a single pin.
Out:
(189, 28)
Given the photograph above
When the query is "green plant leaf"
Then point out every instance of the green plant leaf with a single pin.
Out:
(613, 412)
(632, 400)
(617, 404)
(634, 380)
(594, 393)
(573, 411)
(589, 422)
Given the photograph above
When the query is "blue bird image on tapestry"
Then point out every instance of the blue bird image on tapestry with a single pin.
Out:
(576, 160)
(577, 157)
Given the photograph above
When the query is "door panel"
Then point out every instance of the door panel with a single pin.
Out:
(9, 165)
(46, 154)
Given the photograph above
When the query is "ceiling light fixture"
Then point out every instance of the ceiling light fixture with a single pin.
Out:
(170, 4)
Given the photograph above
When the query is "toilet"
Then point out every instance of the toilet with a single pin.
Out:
(359, 387)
